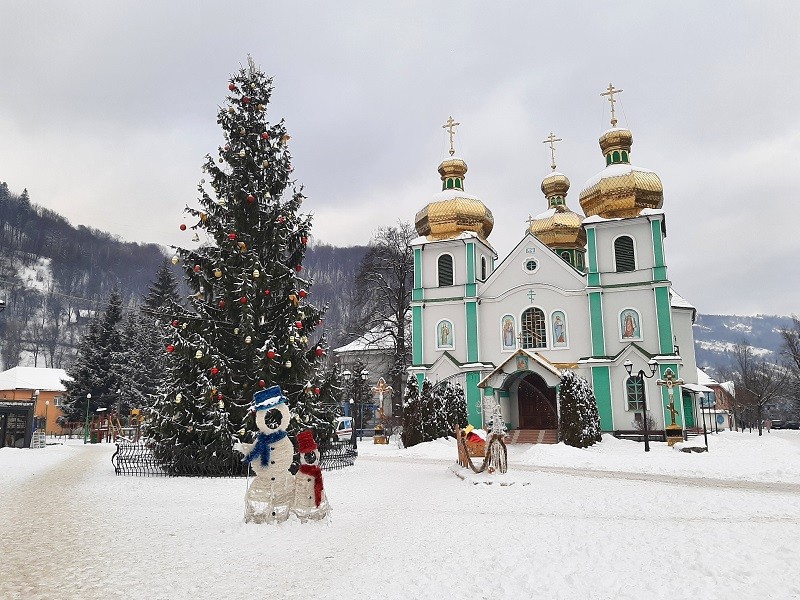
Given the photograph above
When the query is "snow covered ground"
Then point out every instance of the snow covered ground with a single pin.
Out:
(606, 522)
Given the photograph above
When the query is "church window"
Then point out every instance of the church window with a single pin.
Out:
(615, 156)
(565, 256)
(534, 329)
(483, 267)
(624, 255)
(624, 156)
(445, 268)
(531, 265)
(634, 393)
(449, 184)
(608, 159)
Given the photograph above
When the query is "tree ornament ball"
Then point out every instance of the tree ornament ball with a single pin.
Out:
(220, 396)
(265, 164)
(251, 198)
(319, 351)
(261, 107)
(243, 299)
(298, 324)
(218, 273)
(281, 219)
(242, 153)
(256, 274)
(170, 348)
(303, 339)
(175, 323)
(197, 268)
(288, 364)
(231, 110)
(214, 370)
(319, 322)
(183, 226)
(178, 399)
(265, 136)
(221, 303)
(235, 331)
(266, 292)
(270, 353)
(242, 131)
(303, 293)
(304, 240)
(241, 431)
(262, 383)
(291, 339)
(248, 339)
(231, 87)
(175, 260)
(231, 236)
(246, 100)
(214, 391)
(316, 391)
(298, 268)
(221, 404)
(198, 355)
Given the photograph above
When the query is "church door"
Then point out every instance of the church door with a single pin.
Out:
(537, 404)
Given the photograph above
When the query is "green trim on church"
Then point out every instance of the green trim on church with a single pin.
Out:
(591, 243)
(601, 386)
(471, 308)
(473, 395)
(417, 291)
(659, 266)
(416, 335)
(664, 316)
(596, 321)
(470, 263)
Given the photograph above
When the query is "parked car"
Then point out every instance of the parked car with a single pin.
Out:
(791, 425)
(344, 428)
(778, 423)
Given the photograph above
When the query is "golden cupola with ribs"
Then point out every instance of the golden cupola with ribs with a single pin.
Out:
(621, 190)
(453, 212)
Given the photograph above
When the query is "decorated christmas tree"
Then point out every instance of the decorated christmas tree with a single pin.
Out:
(250, 323)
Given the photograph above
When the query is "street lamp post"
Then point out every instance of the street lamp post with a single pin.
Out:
(364, 374)
(703, 412)
(86, 428)
(641, 376)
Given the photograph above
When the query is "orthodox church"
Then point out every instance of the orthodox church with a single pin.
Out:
(586, 293)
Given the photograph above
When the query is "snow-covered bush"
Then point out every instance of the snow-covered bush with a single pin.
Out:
(580, 421)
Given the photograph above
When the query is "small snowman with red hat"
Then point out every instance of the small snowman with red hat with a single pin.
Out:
(270, 495)
(310, 502)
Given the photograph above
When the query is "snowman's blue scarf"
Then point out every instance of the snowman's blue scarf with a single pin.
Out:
(261, 449)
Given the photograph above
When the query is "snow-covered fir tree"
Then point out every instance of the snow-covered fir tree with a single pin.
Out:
(162, 295)
(250, 323)
(412, 430)
(580, 421)
(455, 408)
(139, 363)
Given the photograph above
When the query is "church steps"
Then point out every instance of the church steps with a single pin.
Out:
(532, 436)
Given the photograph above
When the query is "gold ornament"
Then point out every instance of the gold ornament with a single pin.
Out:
(221, 404)
(293, 299)
(242, 131)
(288, 364)
(242, 153)
(203, 217)
(256, 274)
(217, 273)
(231, 110)
(198, 355)
(248, 339)
(261, 108)
(304, 339)
(286, 137)
(265, 163)
(213, 391)
(241, 432)
(267, 195)
(175, 260)
(178, 398)
(242, 247)
(291, 339)
(183, 325)
(236, 331)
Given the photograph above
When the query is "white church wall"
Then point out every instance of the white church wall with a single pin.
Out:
(639, 230)
(431, 252)
(433, 314)
(616, 306)
(684, 339)
(624, 418)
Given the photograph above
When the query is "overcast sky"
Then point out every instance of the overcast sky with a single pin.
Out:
(108, 108)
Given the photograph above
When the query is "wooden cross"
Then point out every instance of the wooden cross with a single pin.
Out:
(450, 125)
(670, 382)
(610, 93)
(551, 139)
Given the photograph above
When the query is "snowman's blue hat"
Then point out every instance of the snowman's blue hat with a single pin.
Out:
(269, 398)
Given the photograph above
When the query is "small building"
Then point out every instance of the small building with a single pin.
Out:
(30, 399)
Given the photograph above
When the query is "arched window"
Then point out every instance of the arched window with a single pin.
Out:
(624, 255)
(534, 329)
(565, 257)
(483, 267)
(445, 269)
(634, 393)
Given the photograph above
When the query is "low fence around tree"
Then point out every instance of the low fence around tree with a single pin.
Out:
(147, 459)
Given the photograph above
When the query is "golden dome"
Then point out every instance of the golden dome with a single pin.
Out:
(621, 190)
(559, 227)
(452, 212)
(555, 184)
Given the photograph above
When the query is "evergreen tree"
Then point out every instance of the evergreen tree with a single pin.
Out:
(580, 421)
(250, 324)
(162, 296)
(412, 432)
(139, 364)
(455, 408)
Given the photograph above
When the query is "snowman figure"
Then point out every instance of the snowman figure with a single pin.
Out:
(269, 497)
(310, 503)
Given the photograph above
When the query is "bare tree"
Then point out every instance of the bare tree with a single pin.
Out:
(791, 352)
(383, 299)
(757, 381)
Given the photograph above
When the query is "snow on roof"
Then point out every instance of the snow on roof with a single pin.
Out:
(617, 170)
(452, 194)
(679, 301)
(546, 214)
(729, 387)
(377, 338)
(704, 379)
(464, 235)
(33, 378)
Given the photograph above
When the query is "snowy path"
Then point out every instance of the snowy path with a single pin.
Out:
(402, 528)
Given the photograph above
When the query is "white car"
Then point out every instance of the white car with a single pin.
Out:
(344, 428)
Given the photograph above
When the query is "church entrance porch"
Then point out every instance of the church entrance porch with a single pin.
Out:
(537, 403)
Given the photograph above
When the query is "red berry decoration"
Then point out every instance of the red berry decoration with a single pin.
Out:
(175, 323)
(231, 236)
(243, 300)
(183, 226)
(319, 351)
(270, 354)
(197, 268)
(302, 293)
(251, 198)
(262, 383)
(266, 292)
(298, 324)
(265, 136)
(231, 87)
(214, 370)
(316, 391)
(304, 240)
(298, 268)
(221, 303)
(245, 99)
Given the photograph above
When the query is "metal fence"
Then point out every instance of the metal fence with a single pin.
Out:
(148, 459)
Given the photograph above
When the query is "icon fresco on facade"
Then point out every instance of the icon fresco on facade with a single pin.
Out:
(559, 320)
(630, 328)
(444, 335)
(508, 338)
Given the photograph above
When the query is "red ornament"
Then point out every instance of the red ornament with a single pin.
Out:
(170, 348)
(319, 322)
(303, 293)
(220, 396)
(231, 236)
(262, 383)
(245, 99)
(214, 370)
(231, 87)
(266, 292)
(197, 268)
(183, 226)
(251, 198)
(243, 300)
(270, 354)
(298, 268)
(281, 219)
(175, 323)
(221, 303)
(316, 391)
(304, 240)
(265, 136)
(319, 351)
(298, 324)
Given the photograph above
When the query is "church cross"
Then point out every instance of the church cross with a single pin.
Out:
(531, 295)
(551, 139)
(669, 382)
(610, 93)
(530, 221)
(450, 125)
